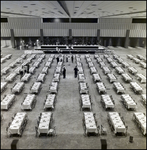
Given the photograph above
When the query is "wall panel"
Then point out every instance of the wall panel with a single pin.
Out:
(55, 32)
(5, 33)
(112, 33)
(26, 32)
(137, 33)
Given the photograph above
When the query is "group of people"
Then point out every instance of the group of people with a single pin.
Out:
(23, 70)
(63, 58)
(75, 72)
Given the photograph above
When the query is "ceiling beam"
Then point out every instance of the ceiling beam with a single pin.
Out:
(124, 14)
(63, 5)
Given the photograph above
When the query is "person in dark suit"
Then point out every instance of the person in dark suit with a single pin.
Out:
(76, 71)
(57, 59)
(72, 58)
(28, 67)
(21, 72)
(64, 72)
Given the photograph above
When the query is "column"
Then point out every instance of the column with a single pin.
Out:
(41, 36)
(12, 38)
(98, 35)
(127, 39)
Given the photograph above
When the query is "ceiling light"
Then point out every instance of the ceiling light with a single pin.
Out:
(130, 7)
(43, 8)
(93, 4)
(76, 7)
(33, 4)
(7, 8)
(25, 6)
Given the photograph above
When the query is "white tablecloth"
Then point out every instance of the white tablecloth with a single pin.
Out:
(101, 63)
(113, 64)
(56, 77)
(143, 97)
(117, 123)
(36, 64)
(109, 59)
(35, 88)
(141, 77)
(99, 59)
(93, 70)
(11, 77)
(27, 103)
(44, 122)
(130, 56)
(111, 77)
(3, 85)
(126, 77)
(26, 77)
(7, 100)
(86, 101)
(132, 70)
(96, 77)
(80, 70)
(107, 100)
(18, 87)
(17, 122)
(119, 87)
(136, 60)
(90, 64)
(53, 87)
(90, 123)
(50, 101)
(128, 101)
(125, 64)
(41, 77)
(119, 70)
(5, 70)
(106, 69)
(44, 70)
(101, 87)
(136, 87)
(83, 88)
(48, 64)
(32, 69)
(141, 119)
(81, 77)
(143, 64)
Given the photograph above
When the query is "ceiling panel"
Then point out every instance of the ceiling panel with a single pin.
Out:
(76, 9)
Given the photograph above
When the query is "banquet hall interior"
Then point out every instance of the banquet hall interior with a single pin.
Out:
(73, 74)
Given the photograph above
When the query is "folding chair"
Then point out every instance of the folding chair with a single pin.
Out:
(103, 130)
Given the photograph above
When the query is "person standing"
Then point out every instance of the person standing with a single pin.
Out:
(64, 72)
(66, 58)
(21, 72)
(76, 71)
(72, 58)
(28, 67)
(57, 59)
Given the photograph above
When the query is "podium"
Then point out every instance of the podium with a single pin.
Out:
(103, 144)
(14, 144)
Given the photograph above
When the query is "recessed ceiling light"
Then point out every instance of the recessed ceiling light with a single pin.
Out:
(25, 6)
(93, 4)
(43, 8)
(99, 9)
(76, 7)
(33, 4)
